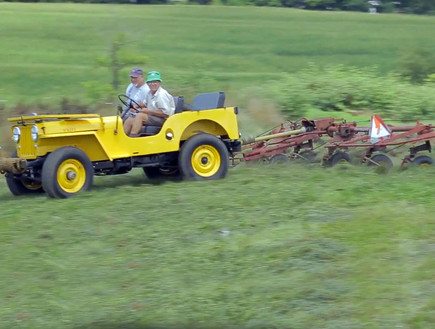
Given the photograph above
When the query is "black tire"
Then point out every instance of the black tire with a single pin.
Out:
(66, 172)
(203, 157)
(380, 161)
(423, 161)
(338, 158)
(20, 185)
(153, 173)
(279, 159)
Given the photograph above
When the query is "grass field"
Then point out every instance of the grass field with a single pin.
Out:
(268, 247)
(51, 48)
(294, 247)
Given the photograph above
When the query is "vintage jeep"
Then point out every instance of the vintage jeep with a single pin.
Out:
(59, 154)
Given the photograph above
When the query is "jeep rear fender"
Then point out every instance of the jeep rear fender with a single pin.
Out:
(219, 122)
(206, 126)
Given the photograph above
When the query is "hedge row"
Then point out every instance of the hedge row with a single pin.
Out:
(342, 88)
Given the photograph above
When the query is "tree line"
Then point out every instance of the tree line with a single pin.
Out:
(402, 6)
(424, 7)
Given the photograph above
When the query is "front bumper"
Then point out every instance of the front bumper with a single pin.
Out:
(12, 165)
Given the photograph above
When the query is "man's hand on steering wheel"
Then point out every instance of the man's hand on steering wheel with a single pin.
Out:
(135, 109)
(129, 105)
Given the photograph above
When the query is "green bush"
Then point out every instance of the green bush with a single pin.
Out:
(340, 88)
(417, 64)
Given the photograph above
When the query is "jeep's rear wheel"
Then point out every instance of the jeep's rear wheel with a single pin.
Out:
(66, 172)
(203, 157)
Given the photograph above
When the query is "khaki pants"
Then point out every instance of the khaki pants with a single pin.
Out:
(133, 125)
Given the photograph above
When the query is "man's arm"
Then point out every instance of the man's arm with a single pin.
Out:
(136, 108)
(157, 113)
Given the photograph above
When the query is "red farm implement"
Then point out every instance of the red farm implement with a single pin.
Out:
(417, 138)
(335, 139)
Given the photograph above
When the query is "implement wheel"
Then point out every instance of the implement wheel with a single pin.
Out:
(203, 157)
(66, 172)
(306, 156)
(380, 161)
(338, 158)
(423, 161)
(279, 159)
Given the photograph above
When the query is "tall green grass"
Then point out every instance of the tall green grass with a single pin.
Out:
(47, 50)
(268, 247)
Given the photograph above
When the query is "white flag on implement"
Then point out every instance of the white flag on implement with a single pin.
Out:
(379, 131)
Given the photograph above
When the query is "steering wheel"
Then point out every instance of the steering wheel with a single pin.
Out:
(128, 102)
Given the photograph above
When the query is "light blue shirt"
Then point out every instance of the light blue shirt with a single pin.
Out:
(137, 94)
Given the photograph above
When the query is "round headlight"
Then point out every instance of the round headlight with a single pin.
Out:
(34, 132)
(16, 133)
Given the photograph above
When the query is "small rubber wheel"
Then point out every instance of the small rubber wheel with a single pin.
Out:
(306, 156)
(338, 158)
(279, 159)
(423, 161)
(380, 160)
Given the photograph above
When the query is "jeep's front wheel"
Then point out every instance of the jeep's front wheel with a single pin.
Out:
(203, 157)
(66, 172)
(19, 185)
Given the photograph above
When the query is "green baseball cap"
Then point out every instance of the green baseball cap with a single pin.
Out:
(154, 76)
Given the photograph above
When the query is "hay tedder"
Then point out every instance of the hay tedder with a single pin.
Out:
(331, 141)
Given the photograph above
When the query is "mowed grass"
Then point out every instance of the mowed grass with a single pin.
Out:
(48, 50)
(267, 247)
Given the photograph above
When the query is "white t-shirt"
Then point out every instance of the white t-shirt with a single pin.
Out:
(161, 100)
(137, 94)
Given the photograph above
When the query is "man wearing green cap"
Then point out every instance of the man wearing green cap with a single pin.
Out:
(158, 106)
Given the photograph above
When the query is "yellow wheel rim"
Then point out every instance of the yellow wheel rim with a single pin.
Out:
(206, 160)
(424, 165)
(71, 176)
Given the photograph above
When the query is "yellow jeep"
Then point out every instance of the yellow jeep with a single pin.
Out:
(59, 154)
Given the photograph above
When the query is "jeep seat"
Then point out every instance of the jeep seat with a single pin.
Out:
(207, 101)
(153, 130)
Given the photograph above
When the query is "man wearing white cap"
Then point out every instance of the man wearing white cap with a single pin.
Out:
(137, 90)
